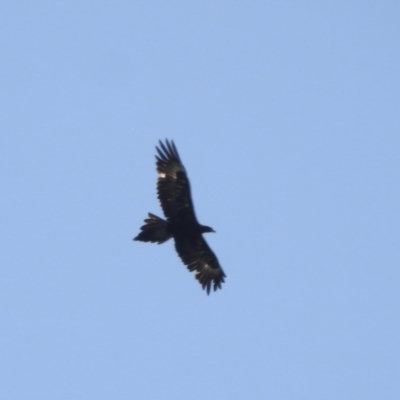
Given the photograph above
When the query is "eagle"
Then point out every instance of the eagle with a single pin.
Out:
(173, 190)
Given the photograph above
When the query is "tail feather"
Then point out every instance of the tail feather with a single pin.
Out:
(154, 230)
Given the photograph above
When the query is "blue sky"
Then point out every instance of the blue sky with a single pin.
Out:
(287, 118)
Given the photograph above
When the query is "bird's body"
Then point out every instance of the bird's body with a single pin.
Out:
(173, 189)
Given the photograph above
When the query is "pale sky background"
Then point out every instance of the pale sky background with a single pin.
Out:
(286, 115)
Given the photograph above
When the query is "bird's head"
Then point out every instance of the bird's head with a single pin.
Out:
(205, 229)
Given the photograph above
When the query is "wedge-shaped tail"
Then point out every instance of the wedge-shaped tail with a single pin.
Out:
(154, 230)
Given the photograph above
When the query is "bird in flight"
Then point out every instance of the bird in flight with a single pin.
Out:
(173, 189)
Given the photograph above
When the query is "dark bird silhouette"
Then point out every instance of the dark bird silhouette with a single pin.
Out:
(173, 189)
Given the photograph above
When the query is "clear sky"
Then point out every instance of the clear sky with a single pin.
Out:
(286, 115)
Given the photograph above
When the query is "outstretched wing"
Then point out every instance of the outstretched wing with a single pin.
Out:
(197, 256)
(173, 187)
